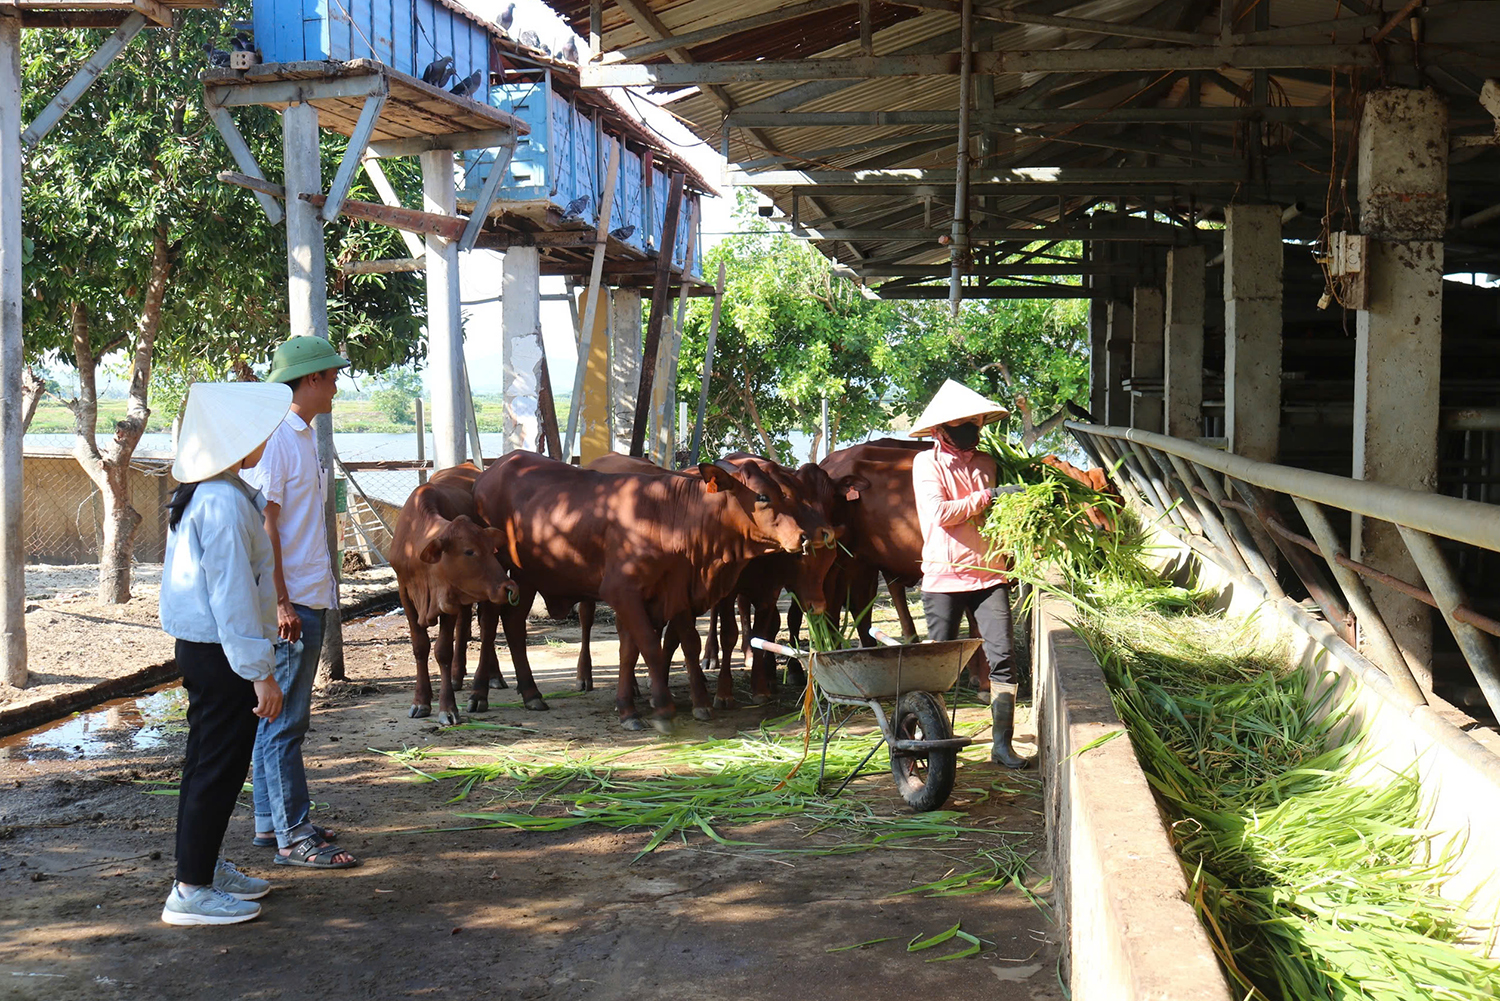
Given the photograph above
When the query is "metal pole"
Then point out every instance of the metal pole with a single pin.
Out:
(708, 367)
(1478, 649)
(1375, 637)
(1249, 551)
(827, 445)
(421, 441)
(960, 249)
(12, 554)
(1208, 517)
(307, 302)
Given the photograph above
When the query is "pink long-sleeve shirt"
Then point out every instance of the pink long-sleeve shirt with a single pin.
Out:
(952, 497)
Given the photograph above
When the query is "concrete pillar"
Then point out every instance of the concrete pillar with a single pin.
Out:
(1403, 185)
(521, 353)
(1183, 388)
(12, 551)
(1146, 360)
(624, 363)
(1252, 331)
(307, 308)
(593, 437)
(445, 341)
(1119, 323)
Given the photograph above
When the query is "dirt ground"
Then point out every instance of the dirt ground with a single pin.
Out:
(86, 860)
(73, 641)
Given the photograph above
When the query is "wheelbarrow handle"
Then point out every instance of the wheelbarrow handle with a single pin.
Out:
(886, 638)
(772, 647)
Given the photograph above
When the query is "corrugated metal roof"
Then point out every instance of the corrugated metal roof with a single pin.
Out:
(1448, 30)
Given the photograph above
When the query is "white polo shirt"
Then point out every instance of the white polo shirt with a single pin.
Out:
(289, 475)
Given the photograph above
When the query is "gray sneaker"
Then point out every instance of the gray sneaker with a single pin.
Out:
(237, 884)
(206, 905)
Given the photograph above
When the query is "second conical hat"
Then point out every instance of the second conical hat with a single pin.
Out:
(957, 402)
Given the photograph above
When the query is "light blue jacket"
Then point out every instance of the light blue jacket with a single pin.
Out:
(217, 581)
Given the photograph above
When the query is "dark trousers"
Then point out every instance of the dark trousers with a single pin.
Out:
(991, 607)
(221, 736)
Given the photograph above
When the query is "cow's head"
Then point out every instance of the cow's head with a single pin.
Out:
(831, 499)
(771, 499)
(460, 555)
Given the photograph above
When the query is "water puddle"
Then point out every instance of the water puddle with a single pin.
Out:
(122, 726)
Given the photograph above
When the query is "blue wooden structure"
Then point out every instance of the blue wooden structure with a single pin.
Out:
(555, 179)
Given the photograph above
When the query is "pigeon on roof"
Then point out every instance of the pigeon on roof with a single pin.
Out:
(531, 39)
(241, 43)
(508, 16)
(576, 207)
(622, 233)
(439, 71)
(216, 57)
(468, 85)
(569, 51)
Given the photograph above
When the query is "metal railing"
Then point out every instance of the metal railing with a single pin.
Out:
(1192, 489)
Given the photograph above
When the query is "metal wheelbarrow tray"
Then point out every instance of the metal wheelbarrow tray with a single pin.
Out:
(923, 749)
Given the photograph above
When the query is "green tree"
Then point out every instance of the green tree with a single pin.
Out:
(136, 247)
(790, 334)
(401, 387)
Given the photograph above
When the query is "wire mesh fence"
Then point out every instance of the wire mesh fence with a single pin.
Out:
(63, 510)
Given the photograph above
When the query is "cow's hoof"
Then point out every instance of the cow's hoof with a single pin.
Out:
(663, 724)
(584, 686)
(702, 713)
(724, 703)
(478, 705)
(498, 682)
(761, 700)
(448, 719)
(458, 685)
(537, 704)
(632, 723)
(420, 711)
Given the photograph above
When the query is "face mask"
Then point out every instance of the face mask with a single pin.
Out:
(965, 436)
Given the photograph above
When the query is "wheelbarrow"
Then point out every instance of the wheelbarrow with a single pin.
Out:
(923, 749)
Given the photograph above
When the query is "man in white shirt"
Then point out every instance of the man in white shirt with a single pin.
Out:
(294, 484)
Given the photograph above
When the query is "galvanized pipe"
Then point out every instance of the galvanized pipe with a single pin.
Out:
(960, 249)
(1372, 628)
(1249, 551)
(1335, 610)
(1448, 517)
(1479, 649)
(1208, 516)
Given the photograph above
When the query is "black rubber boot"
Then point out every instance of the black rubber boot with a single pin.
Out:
(1003, 716)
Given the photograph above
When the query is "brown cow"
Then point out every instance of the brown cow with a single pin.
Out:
(445, 563)
(884, 538)
(654, 547)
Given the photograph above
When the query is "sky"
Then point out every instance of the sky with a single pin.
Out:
(479, 271)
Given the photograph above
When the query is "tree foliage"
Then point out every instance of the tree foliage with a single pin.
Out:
(791, 333)
(135, 246)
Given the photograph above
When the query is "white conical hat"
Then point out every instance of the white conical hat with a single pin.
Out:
(223, 422)
(956, 402)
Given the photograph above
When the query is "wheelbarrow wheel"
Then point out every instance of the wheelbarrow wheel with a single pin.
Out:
(924, 781)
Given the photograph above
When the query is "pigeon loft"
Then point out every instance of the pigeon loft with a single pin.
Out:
(441, 59)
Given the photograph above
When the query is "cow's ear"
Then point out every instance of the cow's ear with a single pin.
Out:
(495, 539)
(852, 486)
(715, 478)
(463, 518)
(433, 551)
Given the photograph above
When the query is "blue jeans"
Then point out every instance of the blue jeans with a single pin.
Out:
(281, 800)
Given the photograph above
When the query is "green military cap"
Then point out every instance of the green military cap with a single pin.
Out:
(299, 356)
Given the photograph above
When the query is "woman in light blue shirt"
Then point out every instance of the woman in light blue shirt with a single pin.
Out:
(219, 600)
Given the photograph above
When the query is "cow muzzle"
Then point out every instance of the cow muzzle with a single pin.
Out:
(510, 594)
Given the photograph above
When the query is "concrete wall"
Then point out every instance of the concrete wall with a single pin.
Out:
(1121, 894)
(62, 517)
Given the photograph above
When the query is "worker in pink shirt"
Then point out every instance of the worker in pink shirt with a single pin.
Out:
(955, 485)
